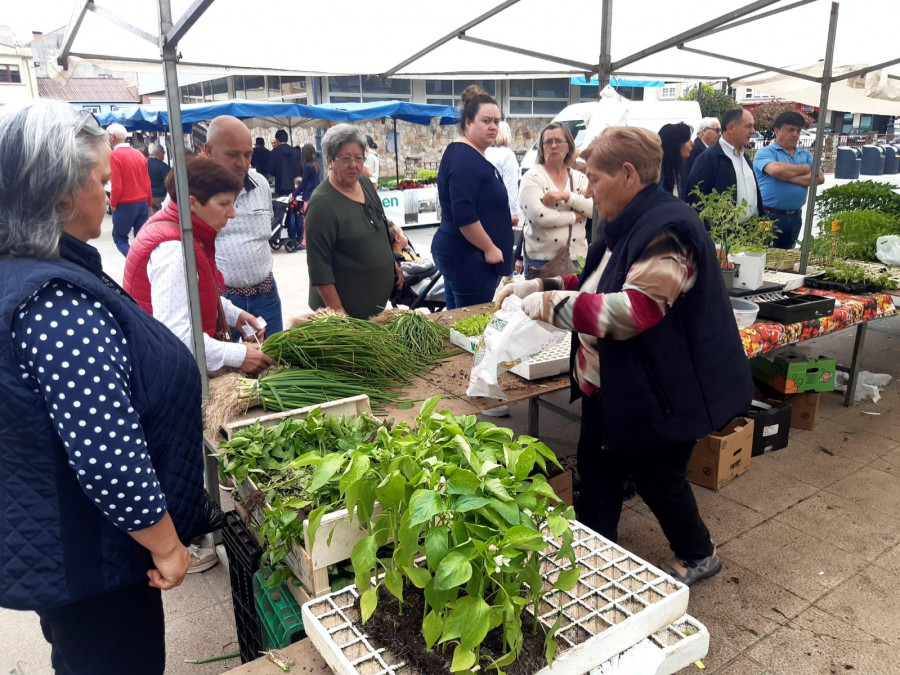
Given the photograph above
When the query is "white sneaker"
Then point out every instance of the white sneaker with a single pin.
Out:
(203, 558)
(499, 411)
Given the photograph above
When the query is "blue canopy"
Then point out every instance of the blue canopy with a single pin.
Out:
(618, 82)
(152, 118)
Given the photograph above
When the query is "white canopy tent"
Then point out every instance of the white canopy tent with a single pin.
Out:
(728, 39)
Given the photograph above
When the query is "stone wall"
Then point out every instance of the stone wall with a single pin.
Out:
(421, 146)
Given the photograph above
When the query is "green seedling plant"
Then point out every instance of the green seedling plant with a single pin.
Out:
(472, 326)
(468, 521)
(729, 226)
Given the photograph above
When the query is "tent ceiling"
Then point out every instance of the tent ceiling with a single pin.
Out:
(337, 44)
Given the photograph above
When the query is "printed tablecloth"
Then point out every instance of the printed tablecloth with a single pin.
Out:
(764, 336)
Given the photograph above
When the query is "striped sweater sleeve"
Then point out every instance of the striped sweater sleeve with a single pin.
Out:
(660, 275)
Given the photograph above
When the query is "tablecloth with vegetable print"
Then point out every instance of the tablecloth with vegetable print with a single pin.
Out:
(764, 336)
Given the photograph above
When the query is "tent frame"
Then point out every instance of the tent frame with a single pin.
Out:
(171, 33)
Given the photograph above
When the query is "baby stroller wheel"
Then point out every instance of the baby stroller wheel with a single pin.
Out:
(274, 244)
(291, 245)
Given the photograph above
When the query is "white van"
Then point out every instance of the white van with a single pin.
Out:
(586, 120)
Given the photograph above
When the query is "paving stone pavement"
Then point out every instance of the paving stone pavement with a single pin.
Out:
(809, 537)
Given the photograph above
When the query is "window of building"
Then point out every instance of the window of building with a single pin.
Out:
(365, 88)
(217, 90)
(447, 92)
(192, 93)
(10, 74)
(293, 87)
(273, 87)
(538, 97)
(95, 108)
(255, 87)
(667, 92)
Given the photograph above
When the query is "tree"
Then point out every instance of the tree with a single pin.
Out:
(764, 116)
(713, 103)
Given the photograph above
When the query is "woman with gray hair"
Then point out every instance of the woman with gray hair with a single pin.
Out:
(351, 265)
(102, 481)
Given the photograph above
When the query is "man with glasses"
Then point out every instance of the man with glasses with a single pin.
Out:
(709, 132)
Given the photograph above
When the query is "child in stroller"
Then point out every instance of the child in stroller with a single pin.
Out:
(287, 223)
(423, 285)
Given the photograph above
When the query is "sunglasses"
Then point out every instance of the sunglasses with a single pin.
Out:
(88, 119)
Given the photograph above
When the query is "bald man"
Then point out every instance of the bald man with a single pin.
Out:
(242, 247)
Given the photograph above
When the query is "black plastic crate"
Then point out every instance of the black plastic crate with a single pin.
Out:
(796, 307)
(244, 555)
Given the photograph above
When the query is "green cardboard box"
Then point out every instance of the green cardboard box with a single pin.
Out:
(792, 373)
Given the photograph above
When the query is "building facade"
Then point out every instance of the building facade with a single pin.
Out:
(18, 82)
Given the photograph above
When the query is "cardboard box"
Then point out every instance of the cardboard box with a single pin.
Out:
(771, 424)
(562, 486)
(804, 408)
(722, 456)
(792, 372)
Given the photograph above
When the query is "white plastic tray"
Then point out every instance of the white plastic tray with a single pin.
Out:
(619, 601)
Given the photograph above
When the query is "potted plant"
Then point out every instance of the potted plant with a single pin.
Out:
(730, 228)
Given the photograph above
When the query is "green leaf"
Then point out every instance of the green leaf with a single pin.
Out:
(359, 464)
(391, 490)
(469, 503)
(419, 576)
(550, 640)
(438, 600)
(463, 659)
(466, 451)
(315, 517)
(567, 579)
(329, 466)
(436, 546)
(405, 405)
(509, 512)
(368, 601)
(432, 627)
(463, 482)
(495, 487)
(363, 560)
(557, 524)
(469, 621)
(424, 505)
(393, 581)
(523, 538)
(428, 408)
(454, 570)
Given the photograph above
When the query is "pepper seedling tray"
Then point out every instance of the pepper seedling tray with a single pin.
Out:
(619, 601)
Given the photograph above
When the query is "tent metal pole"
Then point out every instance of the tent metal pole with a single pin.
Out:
(114, 18)
(449, 36)
(604, 67)
(69, 38)
(692, 34)
(868, 69)
(752, 64)
(757, 17)
(194, 12)
(820, 139)
(578, 65)
(396, 150)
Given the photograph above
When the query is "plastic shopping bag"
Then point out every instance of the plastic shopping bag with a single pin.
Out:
(510, 338)
(887, 249)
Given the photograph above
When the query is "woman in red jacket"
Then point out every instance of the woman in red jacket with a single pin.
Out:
(154, 269)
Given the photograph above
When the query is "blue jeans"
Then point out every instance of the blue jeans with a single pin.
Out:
(295, 225)
(127, 218)
(532, 264)
(789, 227)
(266, 305)
(468, 280)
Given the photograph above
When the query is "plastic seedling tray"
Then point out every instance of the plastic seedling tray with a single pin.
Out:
(619, 601)
(470, 344)
(550, 362)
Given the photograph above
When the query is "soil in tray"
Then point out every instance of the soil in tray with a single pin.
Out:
(402, 636)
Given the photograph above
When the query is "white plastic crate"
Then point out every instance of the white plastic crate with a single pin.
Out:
(677, 646)
(548, 363)
(619, 601)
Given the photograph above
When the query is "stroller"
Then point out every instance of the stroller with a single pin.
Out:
(279, 236)
(423, 285)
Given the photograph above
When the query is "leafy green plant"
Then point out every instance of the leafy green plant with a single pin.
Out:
(426, 175)
(713, 102)
(472, 326)
(852, 273)
(729, 226)
(467, 517)
(860, 195)
(853, 234)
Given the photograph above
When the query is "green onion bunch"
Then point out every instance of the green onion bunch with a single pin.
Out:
(421, 335)
(346, 345)
(297, 388)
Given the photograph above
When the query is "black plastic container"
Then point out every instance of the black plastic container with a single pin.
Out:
(244, 555)
(796, 307)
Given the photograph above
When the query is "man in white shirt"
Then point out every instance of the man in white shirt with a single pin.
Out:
(726, 165)
(242, 247)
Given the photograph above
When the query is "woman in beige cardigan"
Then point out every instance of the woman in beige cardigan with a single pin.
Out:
(551, 202)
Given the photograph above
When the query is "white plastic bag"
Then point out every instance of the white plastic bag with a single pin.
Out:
(511, 337)
(867, 384)
(887, 249)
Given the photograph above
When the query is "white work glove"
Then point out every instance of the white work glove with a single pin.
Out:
(532, 305)
(521, 289)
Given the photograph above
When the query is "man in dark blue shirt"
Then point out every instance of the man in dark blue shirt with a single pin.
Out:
(158, 171)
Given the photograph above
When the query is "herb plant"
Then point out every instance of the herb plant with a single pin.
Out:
(853, 235)
(729, 226)
(859, 195)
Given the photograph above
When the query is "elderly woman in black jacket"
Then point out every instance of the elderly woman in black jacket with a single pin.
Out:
(658, 359)
(101, 484)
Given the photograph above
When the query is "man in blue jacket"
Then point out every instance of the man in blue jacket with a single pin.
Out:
(725, 164)
(784, 174)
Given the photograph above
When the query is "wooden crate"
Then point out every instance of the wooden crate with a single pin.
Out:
(336, 536)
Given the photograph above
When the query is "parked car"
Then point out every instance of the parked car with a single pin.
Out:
(807, 138)
(757, 140)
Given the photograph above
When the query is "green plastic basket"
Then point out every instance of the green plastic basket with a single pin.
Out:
(279, 612)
